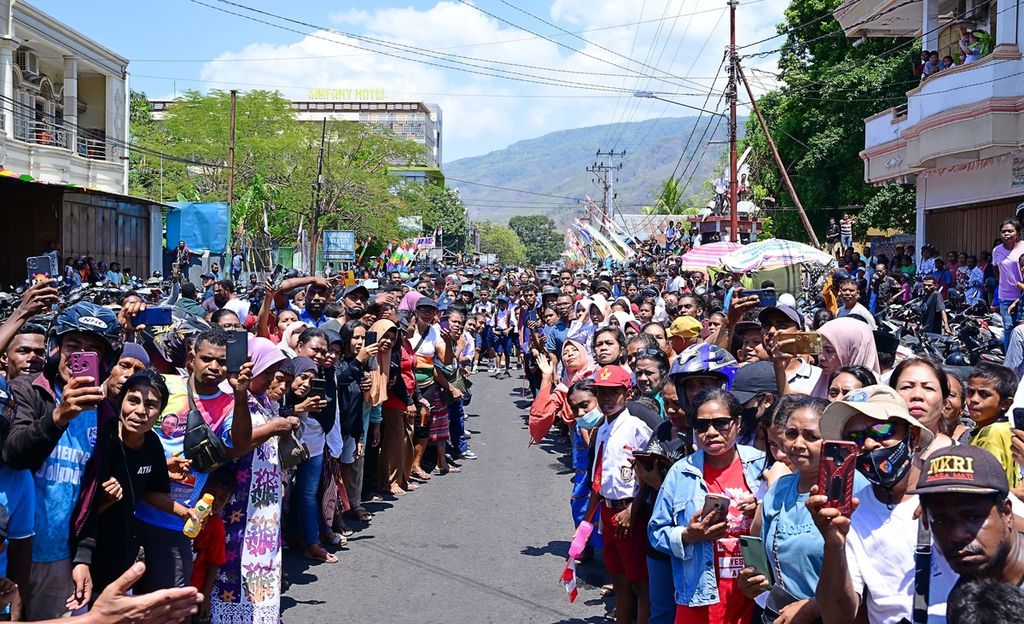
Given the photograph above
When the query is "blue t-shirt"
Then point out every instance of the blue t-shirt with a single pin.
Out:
(58, 483)
(18, 496)
(557, 335)
(788, 524)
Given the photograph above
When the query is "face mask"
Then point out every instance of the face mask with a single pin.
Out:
(749, 414)
(354, 313)
(886, 466)
(591, 419)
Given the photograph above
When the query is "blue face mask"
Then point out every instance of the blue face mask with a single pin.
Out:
(591, 419)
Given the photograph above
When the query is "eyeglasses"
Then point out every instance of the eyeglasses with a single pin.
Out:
(879, 432)
(720, 424)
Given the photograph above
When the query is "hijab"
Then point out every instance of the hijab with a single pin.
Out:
(286, 336)
(263, 354)
(854, 344)
(298, 365)
(379, 377)
(586, 369)
(409, 300)
(598, 301)
(582, 329)
(623, 318)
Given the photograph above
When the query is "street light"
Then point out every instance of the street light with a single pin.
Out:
(650, 95)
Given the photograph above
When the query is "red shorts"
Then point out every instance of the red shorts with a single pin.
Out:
(624, 556)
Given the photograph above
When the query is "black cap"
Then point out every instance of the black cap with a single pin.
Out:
(355, 288)
(962, 469)
(754, 379)
(550, 291)
(426, 302)
(886, 342)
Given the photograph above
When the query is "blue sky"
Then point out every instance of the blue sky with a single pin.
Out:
(179, 44)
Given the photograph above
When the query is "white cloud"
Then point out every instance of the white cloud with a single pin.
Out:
(475, 124)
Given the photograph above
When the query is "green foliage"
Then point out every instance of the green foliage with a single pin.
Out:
(544, 243)
(275, 165)
(817, 117)
(892, 207)
(501, 241)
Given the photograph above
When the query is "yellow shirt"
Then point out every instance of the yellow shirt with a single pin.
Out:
(995, 438)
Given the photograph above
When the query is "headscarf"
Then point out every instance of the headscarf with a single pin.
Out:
(597, 300)
(409, 300)
(582, 329)
(286, 336)
(379, 377)
(854, 343)
(298, 365)
(569, 377)
(263, 353)
(623, 318)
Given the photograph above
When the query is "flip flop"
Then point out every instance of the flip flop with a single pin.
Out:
(325, 558)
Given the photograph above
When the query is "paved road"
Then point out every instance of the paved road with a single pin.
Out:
(485, 545)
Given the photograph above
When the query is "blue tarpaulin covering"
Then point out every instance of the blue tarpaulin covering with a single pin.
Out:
(201, 225)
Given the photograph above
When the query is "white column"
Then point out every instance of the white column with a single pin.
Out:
(1009, 23)
(71, 101)
(919, 221)
(7, 47)
(930, 19)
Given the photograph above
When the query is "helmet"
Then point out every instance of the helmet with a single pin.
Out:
(171, 342)
(957, 358)
(704, 360)
(87, 318)
(955, 297)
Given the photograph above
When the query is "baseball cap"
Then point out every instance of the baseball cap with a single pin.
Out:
(603, 285)
(877, 402)
(355, 288)
(613, 377)
(962, 469)
(886, 342)
(774, 312)
(754, 379)
(550, 291)
(685, 327)
(426, 302)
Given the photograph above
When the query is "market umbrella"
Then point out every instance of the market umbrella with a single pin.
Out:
(700, 258)
(772, 254)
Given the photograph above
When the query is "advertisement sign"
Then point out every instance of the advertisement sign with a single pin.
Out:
(339, 245)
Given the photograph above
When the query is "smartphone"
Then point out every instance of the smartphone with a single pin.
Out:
(371, 284)
(755, 556)
(804, 343)
(767, 298)
(371, 338)
(835, 474)
(238, 349)
(318, 387)
(38, 269)
(717, 505)
(85, 364)
(444, 324)
(153, 317)
(1018, 418)
(277, 276)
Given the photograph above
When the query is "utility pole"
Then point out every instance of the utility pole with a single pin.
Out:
(731, 93)
(314, 230)
(603, 175)
(231, 152)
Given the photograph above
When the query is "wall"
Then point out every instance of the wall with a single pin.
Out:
(28, 215)
(107, 228)
(970, 229)
(92, 91)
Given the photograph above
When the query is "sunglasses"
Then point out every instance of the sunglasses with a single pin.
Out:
(879, 432)
(720, 424)
(650, 353)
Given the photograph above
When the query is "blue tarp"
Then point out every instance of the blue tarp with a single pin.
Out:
(201, 225)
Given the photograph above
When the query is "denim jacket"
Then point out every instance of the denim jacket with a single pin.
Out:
(680, 498)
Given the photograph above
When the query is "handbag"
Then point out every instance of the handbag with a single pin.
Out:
(202, 446)
(291, 450)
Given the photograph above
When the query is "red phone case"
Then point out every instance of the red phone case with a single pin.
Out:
(835, 474)
(85, 364)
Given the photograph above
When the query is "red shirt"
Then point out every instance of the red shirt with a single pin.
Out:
(408, 377)
(732, 607)
(210, 549)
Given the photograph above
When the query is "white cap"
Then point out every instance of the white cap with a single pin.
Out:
(788, 300)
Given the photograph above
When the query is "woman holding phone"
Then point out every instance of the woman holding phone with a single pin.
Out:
(705, 504)
(792, 544)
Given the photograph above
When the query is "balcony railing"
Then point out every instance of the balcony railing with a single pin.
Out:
(90, 146)
(96, 149)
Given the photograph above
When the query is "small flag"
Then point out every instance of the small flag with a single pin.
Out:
(569, 578)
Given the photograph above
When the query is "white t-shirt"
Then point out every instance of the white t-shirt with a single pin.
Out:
(312, 434)
(239, 307)
(616, 442)
(880, 554)
(859, 311)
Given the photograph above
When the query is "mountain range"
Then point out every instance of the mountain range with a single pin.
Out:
(553, 168)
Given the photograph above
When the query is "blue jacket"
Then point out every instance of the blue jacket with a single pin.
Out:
(680, 498)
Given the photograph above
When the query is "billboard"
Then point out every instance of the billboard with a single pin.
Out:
(339, 245)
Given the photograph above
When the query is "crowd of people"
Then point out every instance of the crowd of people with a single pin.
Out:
(699, 421)
(972, 45)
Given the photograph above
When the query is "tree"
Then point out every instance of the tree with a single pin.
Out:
(543, 242)
(501, 241)
(817, 118)
(441, 208)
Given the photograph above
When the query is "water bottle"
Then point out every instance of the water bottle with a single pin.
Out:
(203, 509)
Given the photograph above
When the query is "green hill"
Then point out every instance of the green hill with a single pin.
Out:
(555, 164)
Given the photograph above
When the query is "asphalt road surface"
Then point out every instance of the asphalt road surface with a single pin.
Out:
(485, 545)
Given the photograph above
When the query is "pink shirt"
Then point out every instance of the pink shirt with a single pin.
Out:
(1008, 263)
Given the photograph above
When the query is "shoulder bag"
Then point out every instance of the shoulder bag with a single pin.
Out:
(202, 446)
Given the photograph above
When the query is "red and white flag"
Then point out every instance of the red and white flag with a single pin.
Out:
(569, 578)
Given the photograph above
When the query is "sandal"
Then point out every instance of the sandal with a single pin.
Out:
(334, 539)
(321, 555)
(361, 514)
(409, 487)
(422, 475)
(397, 491)
(445, 471)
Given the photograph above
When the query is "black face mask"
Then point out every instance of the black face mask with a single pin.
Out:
(886, 466)
(354, 313)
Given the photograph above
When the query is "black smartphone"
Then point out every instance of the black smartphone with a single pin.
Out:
(318, 387)
(238, 349)
(1018, 418)
(38, 269)
(371, 338)
(153, 317)
(277, 276)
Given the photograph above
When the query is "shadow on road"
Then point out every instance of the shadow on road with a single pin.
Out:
(559, 548)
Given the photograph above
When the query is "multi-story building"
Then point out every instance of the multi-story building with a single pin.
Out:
(413, 121)
(64, 149)
(959, 135)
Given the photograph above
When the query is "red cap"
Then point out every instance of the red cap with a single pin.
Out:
(613, 377)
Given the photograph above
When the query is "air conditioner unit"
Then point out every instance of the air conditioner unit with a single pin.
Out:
(28, 61)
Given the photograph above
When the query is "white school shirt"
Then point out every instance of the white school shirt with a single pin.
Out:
(616, 442)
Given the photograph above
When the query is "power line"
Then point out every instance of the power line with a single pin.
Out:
(505, 188)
